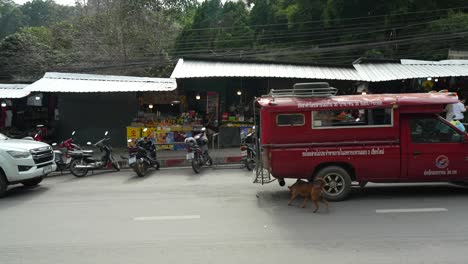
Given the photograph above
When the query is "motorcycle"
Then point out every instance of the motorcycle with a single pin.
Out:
(83, 160)
(63, 159)
(248, 150)
(197, 151)
(37, 134)
(143, 156)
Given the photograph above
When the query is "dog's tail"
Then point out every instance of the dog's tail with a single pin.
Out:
(319, 180)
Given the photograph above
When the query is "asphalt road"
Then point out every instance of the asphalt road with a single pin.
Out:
(174, 216)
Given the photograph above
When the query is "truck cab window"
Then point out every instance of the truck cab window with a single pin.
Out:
(352, 118)
(432, 130)
(290, 120)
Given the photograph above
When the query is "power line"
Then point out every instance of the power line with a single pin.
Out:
(341, 19)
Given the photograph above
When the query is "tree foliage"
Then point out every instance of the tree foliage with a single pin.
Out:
(146, 37)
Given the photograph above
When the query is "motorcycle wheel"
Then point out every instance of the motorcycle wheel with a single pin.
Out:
(140, 169)
(115, 164)
(209, 161)
(157, 165)
(196, 164)
(250, 162)
(78, 172)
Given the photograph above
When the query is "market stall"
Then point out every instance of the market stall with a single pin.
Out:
(171, 117)
(167, 131)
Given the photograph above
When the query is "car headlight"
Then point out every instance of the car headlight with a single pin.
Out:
(19, 154)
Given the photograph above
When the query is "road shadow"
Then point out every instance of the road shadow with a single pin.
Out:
(135, 178)
(408, 192)
(346, 219)
(374, 193)
(18, 194)
(96, 175)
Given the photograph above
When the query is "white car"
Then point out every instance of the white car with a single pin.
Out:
(24, 161)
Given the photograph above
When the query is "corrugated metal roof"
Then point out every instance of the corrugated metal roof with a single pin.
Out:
(13, 91)
(370, 72)
(395, 71)
(442, 62)
(204, 69)
(87, 83)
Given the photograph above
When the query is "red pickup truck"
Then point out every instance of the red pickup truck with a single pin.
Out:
(381, 138)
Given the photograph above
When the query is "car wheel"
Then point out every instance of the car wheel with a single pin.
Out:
(33, 182)
(337, 183)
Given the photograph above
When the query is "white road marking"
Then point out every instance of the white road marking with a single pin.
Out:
(411, 210)
(167, 217)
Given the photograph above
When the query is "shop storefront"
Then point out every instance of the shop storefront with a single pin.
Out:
(24, 113)
(92, 104)
(167, 120)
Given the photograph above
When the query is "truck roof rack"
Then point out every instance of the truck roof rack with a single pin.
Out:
(320, 89)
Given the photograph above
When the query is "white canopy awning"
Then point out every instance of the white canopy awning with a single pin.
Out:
(88, 83)
(13, 91)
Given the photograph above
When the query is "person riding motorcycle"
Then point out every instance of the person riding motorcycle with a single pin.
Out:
(149, 146)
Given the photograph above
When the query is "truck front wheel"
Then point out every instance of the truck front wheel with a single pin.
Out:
(3, 184)
(337, 183)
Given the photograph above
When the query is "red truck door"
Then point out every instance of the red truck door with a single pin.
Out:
(432, 150)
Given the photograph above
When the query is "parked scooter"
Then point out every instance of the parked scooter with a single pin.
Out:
(248, 150)
(63, 159)
(83, 160)
(143, 156)
(37, 134)
(197, 151)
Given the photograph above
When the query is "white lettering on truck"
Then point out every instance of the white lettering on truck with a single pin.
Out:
(430, 172)
(340, 152)
(340, 104)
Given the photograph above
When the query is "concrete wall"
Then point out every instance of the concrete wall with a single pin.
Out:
(91, 114)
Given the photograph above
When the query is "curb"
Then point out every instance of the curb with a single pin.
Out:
(167, 163)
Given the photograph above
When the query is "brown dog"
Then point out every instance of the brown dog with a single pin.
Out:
(306, 189)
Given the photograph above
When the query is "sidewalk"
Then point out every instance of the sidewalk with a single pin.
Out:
(176, 158)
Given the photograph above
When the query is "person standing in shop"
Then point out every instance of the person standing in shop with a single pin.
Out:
(456, 111)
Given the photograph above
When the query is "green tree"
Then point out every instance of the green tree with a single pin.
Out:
(26, 55)
(11, 18)
(45, 12)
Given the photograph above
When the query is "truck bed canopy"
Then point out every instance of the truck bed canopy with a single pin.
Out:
(423, 101)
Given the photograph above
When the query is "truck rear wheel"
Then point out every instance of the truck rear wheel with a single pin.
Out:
(337, 183)
(3, 184)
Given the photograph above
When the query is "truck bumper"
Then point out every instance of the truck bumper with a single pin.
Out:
(34, 172)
